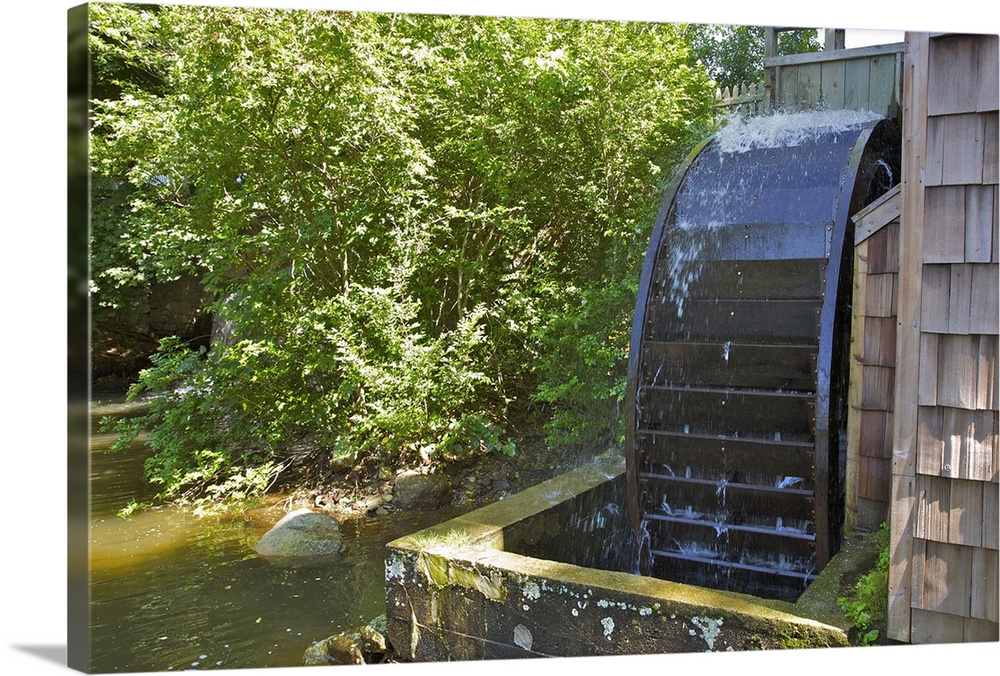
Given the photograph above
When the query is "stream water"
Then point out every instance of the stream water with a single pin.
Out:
(173, 591)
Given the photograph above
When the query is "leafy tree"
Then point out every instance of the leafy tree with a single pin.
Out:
(734, 55)
(417, 224)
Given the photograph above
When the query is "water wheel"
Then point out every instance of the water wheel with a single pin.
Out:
(737, 382)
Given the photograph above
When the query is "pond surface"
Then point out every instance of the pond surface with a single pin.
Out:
(174, 591)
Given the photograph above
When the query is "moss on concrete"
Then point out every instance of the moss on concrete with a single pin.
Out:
(461, 567)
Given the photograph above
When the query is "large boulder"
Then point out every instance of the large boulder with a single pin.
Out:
(415, 490)
(302, 537)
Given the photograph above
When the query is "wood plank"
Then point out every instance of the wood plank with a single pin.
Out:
(978, 223)
(934, 167)
(807, 86)
(855, 53)
(901, 561)
(991, 516)
(727, 412)
(927, 394)
(877, 388)
(887, 441)
(995, 257)
(981, 445)
(710, 452)
(782, 279)
(919, 561)
(991, 170)
(877, 215)
(958, 359)
(911, 246)
(954, 425)
(995, 442)
(869, 331)
(832, 77)
(879, 472)
(872, 433)
(930, 445)
(729, 364)
(875, 249)
(985, 572)
(743, 321)
(984, 314)
(986, 373)
(957, 443)
(932, 627)
(888, 341)
(959, 298)
(892, 248)
(979, 631)
(965, 518)
(933, 505)
(882, 83)
(948, 579)
(852, 507)
(859, 343)
(950, 89)
(987, 80)
(856, 77)
(935, 299)
(963, 149)
(787, 87)
(944, 225)
(880, 296)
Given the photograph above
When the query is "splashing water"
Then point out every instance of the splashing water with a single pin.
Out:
(787, 481)
(788, 129)
(686, 262)
(888, 170)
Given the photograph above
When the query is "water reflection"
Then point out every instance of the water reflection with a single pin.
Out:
(173, 591)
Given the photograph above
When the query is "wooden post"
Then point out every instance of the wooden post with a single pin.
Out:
(911, 239)
(770, 72)
(833, 38)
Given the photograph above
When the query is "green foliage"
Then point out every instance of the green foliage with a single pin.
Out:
(869, 602)
(734, 55)
(418, 225)
(588, 396)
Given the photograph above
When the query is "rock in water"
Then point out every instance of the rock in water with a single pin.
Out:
(302, 536)
(339, 649)
(414, 490)
(366, 645)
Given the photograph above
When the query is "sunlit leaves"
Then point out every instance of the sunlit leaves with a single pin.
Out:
(413, 221)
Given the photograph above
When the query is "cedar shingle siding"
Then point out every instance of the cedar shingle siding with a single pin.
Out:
(943, 583)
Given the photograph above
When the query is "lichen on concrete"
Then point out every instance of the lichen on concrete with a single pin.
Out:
(710, 629)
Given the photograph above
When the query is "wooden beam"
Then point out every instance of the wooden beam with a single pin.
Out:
(833, 38)
(908, 335)
(852, 477)
(819, 57)
(878, 214)
(901, 561)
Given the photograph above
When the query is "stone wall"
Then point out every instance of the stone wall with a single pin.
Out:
(122, 342)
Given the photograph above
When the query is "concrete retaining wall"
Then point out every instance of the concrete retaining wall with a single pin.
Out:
(456, 592)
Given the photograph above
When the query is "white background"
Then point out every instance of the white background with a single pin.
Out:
(33, 250)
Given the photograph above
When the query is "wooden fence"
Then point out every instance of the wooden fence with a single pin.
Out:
(742, 99)
(865, 78)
